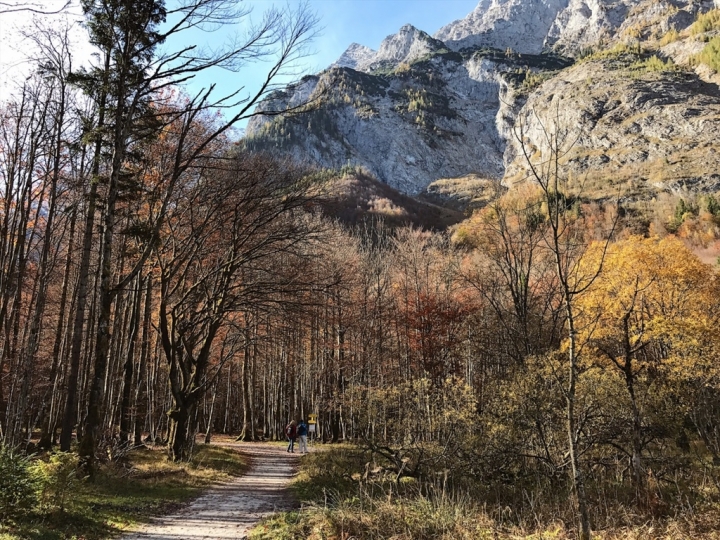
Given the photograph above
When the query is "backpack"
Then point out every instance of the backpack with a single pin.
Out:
(301, 429)
(290, 431)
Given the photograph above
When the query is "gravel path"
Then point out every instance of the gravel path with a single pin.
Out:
(230, 510)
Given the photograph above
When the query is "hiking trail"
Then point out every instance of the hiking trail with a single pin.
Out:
(230, 510)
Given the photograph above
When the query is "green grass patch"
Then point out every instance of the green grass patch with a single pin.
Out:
(710, 55)
(122, 495)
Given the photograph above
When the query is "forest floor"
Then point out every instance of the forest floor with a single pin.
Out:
(230, 510)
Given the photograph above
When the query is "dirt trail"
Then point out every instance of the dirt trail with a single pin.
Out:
(230, 510)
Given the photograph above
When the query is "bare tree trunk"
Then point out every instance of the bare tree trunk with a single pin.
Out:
(208, 428)
(246, 434)
(125, 412)
(141, 395)
(44, 414)
(69, 418)
(578, 480)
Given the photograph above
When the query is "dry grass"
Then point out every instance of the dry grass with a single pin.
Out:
(339, 505)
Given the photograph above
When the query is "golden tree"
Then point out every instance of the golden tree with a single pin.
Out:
(649, 308)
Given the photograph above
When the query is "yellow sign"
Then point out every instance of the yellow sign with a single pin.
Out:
(312, 418)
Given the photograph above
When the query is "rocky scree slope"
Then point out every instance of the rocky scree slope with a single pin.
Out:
(422, 108)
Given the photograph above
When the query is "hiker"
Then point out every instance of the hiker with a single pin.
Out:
(302, 431)
(291, 434)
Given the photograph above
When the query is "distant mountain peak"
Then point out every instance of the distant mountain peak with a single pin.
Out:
(411, 113)
(355, 55)
(408, 44)
(521, 25)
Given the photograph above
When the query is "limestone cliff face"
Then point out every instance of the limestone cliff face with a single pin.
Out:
(628, 131)
(567, 25)
(422, 108)
(517, 24)
(600, 23)
(355, 56)
(436, 118)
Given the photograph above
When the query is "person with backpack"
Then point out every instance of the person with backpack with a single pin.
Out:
(291, 434)
(302, 431)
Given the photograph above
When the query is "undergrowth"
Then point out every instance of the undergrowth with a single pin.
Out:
(710, 55)
(706, 22)
(345, 497)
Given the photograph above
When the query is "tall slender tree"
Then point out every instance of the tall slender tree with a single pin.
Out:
(127, 87)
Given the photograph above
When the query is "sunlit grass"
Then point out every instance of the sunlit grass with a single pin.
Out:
(123, 495)
(338, 504)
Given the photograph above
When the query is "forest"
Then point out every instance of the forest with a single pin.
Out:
(547, 358)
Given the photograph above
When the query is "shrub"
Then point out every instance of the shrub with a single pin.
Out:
(710, 55)
(17, 484)
(619, 50)
(653, 64)
(670, 36)
(706, 22)
(56, 478)
(534, 80)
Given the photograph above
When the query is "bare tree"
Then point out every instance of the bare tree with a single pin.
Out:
(219, 256)
(131, 80)
(567, 241)
(39, 8)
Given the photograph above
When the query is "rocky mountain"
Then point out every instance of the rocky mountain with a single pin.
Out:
(355, 57)
(566, 25)
(517, 24)
(633, 126)
(422, 108)
(440, 117)
(407, 45)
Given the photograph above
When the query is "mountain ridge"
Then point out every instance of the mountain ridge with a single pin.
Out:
(419, 109)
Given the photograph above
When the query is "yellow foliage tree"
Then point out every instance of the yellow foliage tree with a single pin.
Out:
(651, 307)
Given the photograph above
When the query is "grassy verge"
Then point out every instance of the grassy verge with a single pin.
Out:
(126, 494)
(338, 504)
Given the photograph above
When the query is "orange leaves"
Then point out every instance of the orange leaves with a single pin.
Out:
(435, 324)
(651, 300)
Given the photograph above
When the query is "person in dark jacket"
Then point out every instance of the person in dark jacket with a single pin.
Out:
(302, 431)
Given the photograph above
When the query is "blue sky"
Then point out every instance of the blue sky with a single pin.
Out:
(342, 22)
(368, 22)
